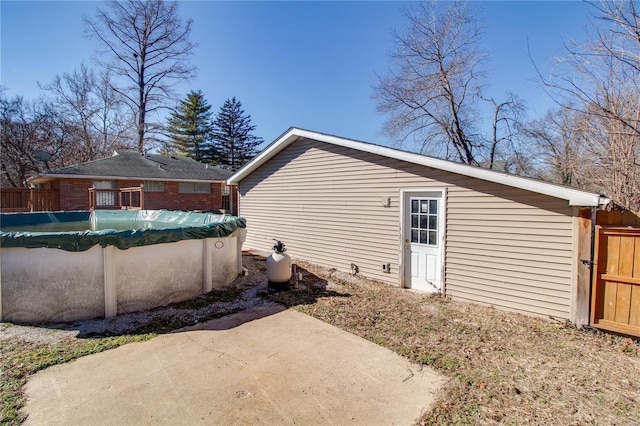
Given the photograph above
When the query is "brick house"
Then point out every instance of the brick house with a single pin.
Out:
(169, 183)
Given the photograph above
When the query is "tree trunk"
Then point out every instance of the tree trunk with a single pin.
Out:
(142, 108)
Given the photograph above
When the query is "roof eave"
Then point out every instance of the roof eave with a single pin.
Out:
(275, 147)
(48, 177)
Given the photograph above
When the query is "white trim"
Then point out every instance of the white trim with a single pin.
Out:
(401, 266)
(576, 197)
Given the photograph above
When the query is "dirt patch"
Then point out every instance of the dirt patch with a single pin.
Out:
(503, 367)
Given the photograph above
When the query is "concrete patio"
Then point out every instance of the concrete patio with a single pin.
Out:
(265, 365)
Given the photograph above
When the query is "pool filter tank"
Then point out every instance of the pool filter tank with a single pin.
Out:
(279, 267)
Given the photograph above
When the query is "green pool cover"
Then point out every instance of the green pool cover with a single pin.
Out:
(124, 228)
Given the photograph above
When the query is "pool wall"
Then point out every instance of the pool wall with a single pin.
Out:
(50, 284)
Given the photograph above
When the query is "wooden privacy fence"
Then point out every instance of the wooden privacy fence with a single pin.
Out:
(29, 200)
(615, 297)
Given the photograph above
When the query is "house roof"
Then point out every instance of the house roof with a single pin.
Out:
(575, 197)
(132, 165)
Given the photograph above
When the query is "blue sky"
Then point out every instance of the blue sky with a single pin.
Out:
(304, 64)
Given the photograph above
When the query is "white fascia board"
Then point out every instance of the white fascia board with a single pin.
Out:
(275, 147)
(575, 197)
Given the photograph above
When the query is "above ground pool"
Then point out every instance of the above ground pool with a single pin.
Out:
(66, 266)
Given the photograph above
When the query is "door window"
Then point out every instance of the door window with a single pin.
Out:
(105, 193)
(226, 191)
(424, 221)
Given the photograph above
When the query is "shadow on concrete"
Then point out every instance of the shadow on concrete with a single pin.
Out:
(229, 322)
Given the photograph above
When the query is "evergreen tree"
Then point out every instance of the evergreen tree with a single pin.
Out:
(189, 127)
(234, 142)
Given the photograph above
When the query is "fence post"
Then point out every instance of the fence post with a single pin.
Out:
(583, 259)
(29, 202)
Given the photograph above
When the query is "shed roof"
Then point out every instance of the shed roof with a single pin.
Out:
(575, 197)
(132, 165)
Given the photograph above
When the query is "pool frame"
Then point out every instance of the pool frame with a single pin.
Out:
(46, 284)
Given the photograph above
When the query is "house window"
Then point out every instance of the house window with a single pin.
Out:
(105, 193)
(194, 188)
(424, 221)
(153, 186)
(226, 195)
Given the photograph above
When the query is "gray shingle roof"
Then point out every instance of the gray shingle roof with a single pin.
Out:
(129, 164)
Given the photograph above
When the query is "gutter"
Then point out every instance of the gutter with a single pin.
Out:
(49, 177)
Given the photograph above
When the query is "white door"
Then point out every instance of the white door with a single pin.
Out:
(423, 240)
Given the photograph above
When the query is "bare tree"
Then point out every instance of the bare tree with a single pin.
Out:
(505, 127)
(431, 92)
(90, 111)
(557, 143)
(147, 44)
(26, 130)
(113, 123)
(614, 151)
(600, 81)
(18, 129)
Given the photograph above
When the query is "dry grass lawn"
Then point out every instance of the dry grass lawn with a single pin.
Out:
(504, 367)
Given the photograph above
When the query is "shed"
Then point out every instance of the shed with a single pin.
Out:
(424, 223)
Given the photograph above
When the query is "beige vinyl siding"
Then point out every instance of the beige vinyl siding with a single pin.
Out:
(303, 198)
(506, 247)
(513, 250)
